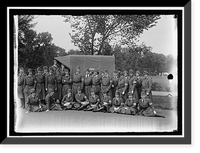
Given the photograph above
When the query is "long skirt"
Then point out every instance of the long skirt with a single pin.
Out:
(40, 92)
(123, 96)
(27, 92)
(65, 89)
(50, 87)
(58, 92)
(97, 90)
(87, 91)
(20, 92)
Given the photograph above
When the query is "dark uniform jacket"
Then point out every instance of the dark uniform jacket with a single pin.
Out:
(20, 88)
(94, 100)
(80, 98)
(40, 88)
(117, 102)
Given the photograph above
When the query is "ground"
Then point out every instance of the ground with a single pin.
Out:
(81, 121)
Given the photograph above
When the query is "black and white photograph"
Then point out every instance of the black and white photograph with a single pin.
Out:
(113, 72)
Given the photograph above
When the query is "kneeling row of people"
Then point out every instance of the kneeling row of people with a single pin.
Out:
(94, 103)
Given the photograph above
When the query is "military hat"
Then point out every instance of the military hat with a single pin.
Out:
(79, 89)
(45, 68)
(39, 69)
(51, 69)
(78, 67)
(30, 70)
(145, 72)
(106, 71)
(32, 90)
(125, 71)
(69, 90)
(115, 71)
(138, 71)
(131, 71)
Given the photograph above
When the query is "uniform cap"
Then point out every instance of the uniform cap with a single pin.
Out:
(30, 70)
(45, 68)
(145, 72)
(51, 69)
(131, 71)
(78, 67)
(39, 69)
(138, 72)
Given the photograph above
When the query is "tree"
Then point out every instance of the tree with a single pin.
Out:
(90, 32)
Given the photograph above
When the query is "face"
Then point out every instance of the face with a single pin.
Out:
(45, 70)
(62, 66)
(145, 75)
(131, 74)
(130, 97)
(125, 74)
(21, 71)
(69, 94)
(117, 96)
(105, 95)
(51, 93)
(33, 94)
(92, 94)
(137, 74)
(55, 62)
(30, 73)
(79, 92)
(86, 72)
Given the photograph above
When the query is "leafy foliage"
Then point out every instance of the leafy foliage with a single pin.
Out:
(91, 32)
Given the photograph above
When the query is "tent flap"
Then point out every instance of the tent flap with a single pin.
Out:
(88, 61)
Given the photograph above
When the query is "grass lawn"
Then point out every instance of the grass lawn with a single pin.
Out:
(165, 103)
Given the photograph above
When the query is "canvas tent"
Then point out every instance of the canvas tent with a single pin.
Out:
(88, 61)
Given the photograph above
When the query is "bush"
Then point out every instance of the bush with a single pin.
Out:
(156, 87)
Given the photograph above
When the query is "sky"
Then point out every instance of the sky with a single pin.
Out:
(162, 37)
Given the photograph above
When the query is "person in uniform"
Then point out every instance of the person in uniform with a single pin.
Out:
(94, 102)
(117, 103)
(138, 85)
(55, 66)
(96, 82)
(66, 82)
(145, 106)
(87, 83)
(20, 88)
(45, 73)
(62, 70)
(29, 83)
(130, 106)
(50, 82)
(115, 80)
(147, 85)
(77, 81)
(51, 102)
(132, 84)
(40, 82)
(33, 104)
(123, 86)
(106, 102)
(58, 92)
(81, 100)
(106, 83)
(67, 100)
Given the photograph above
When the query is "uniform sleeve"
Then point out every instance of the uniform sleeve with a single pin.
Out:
(24, 83)
(150, 85)
(126, 85)
(46, 81)
(77, 99)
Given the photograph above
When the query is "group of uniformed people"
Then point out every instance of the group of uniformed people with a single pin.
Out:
(55, 89)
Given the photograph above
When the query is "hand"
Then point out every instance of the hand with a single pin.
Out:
(55, 88)
(154, 112)
(27, 111)
(112, 85)
(147, 93)
(123, 93)
(47, 110)
(46, 88)
(132, 91)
